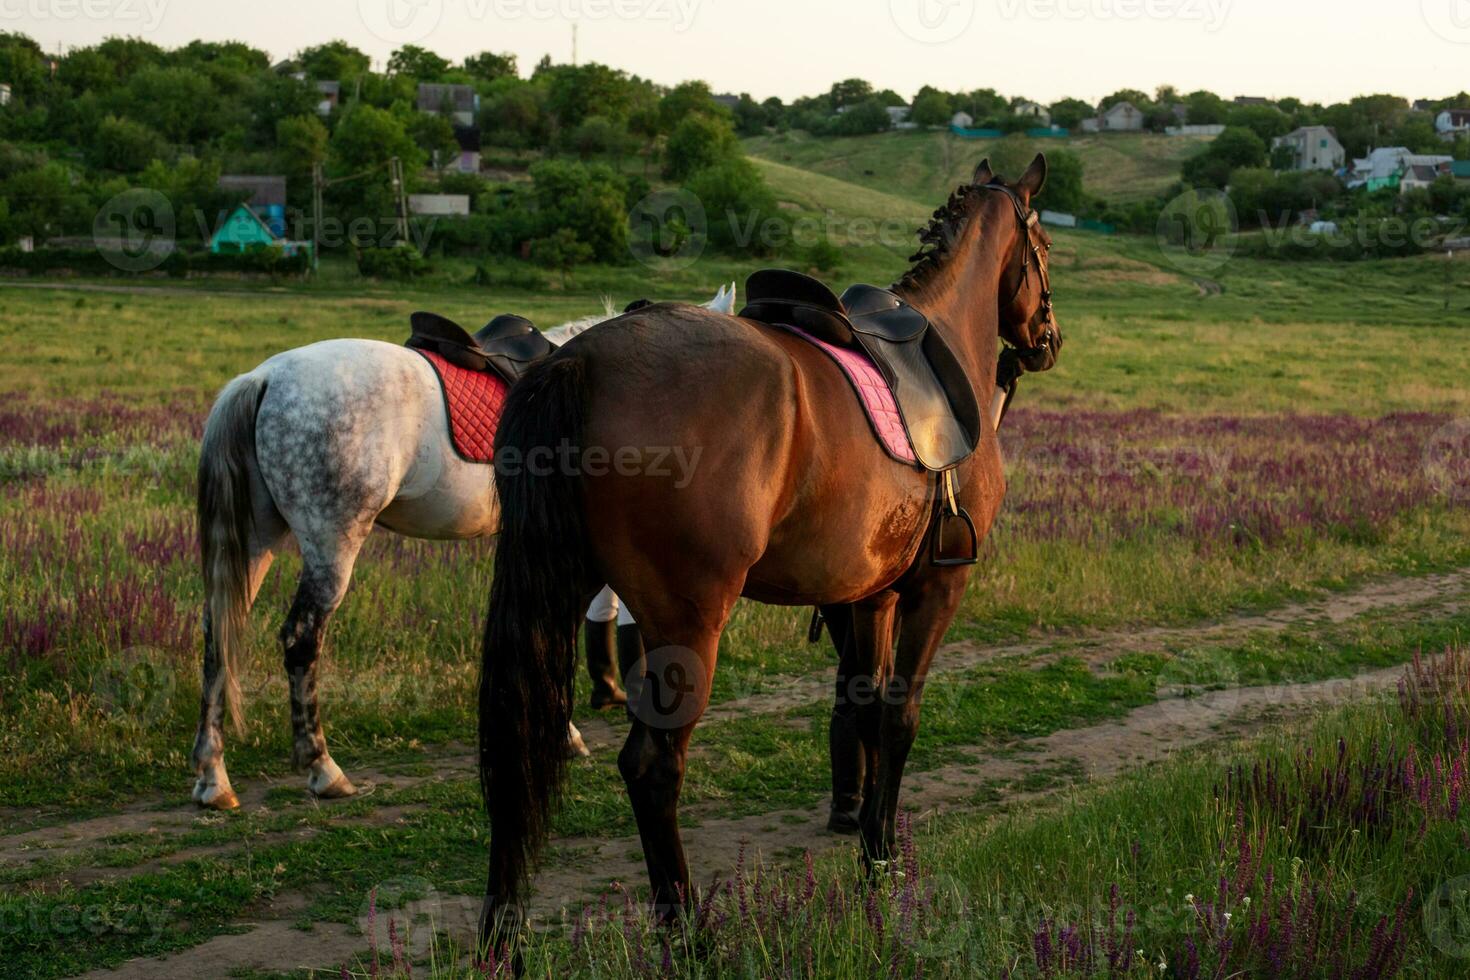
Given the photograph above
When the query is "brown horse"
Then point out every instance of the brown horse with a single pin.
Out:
(790, 500)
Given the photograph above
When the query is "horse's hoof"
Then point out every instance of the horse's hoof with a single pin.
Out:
(215, 797)
(339, 789)
(577, 749)
(328, 782)
(842, 822)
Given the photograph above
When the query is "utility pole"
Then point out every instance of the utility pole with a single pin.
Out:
(317, 183)
(400, 198)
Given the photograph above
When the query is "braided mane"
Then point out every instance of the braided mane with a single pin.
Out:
(939, 235)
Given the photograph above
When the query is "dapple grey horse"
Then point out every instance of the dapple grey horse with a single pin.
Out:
(323, 442)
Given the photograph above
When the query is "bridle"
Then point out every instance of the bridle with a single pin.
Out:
(1031, 252)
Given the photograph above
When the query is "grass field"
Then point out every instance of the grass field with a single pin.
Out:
(924, 166)
(1220, 502)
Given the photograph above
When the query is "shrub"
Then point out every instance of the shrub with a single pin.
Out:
(737, 203)
(699, 141)
(401, 262)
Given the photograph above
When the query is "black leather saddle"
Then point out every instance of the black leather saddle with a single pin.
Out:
(935, 397)
(506, 346)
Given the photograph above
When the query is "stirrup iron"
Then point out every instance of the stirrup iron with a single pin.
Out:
(948, 509)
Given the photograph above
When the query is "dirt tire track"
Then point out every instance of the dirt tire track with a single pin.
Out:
(1093, 647)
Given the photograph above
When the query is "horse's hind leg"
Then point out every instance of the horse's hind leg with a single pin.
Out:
(325, 573)
(212, 785)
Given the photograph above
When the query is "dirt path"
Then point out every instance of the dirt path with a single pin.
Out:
(173, 815)
(579, 869)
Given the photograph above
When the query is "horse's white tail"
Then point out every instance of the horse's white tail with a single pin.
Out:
(226, 526)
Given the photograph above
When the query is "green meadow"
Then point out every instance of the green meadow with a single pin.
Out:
(1239, 483)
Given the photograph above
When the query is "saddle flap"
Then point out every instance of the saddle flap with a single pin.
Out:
(512, 343)
(432, 326)
(876, 312)
(502, 327)
(786, 286)
(781, 296)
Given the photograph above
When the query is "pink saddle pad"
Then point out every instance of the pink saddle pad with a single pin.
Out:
(873, 394)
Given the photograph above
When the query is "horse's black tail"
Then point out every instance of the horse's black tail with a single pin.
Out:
(528, 661)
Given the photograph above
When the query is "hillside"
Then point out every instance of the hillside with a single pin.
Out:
(925, 166)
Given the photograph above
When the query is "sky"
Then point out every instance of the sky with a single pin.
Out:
(1317, 50)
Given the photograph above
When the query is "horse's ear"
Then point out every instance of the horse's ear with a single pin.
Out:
(1034, 179)
(983, 174)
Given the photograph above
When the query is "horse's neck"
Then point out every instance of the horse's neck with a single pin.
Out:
(963, 297)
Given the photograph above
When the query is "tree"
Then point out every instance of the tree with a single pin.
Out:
(575, 92)
(1069, 113)
(752, 117)
(40, 201)
(598, 134)
(368, 136)
(1205, 109)
(1011, 156)
(123, 145)
(1267, 122)
(434, 134)
(697, 142)
(684, 100)
(1232, 150)
(1063, 190)
(488, 66)
(1140, 101)
(737, 204)
(417, 63)
(866, 117)
(513, 113)
(23, 65)
(562, 251)
(334, 61)
(180, 104)
(301, 144)
(588, 200)
(850, 91)
(931, 107)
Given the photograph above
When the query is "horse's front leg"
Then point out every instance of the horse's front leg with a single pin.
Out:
(925, 613)
(325, 574)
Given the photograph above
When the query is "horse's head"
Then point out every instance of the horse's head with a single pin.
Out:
(1027, 320)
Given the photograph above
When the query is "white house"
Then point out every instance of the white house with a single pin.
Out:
(1452, 123)
(1417, 175)
(1380, 166)
(445, 205)
(1121, 117)
(898, 117)
(962, 119)
(4, 94)
(1034, 111)
(329, 94)
(1312, 148)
